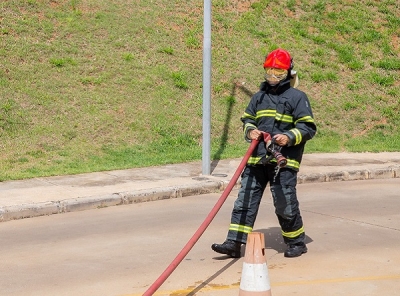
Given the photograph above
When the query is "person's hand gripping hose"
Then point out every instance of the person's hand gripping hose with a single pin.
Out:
(274, 149)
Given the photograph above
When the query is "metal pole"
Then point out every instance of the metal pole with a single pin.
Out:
(206, 152)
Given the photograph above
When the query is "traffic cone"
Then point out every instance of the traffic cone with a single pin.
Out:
(255, 279)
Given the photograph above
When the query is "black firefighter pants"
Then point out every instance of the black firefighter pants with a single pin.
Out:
(253, 183)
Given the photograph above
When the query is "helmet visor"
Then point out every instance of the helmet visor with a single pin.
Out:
(275, 75)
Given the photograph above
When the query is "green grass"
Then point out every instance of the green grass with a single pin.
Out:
(100, 85)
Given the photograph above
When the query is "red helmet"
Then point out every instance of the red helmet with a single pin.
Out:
(279, 58)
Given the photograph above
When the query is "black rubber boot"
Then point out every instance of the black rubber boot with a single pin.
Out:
(295, 250)
(228, 247)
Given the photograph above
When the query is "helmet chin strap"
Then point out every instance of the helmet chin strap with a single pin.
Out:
(273, 83)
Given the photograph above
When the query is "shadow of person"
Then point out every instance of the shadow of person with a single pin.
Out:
(274, 240)
(225, 132)
(212, 277)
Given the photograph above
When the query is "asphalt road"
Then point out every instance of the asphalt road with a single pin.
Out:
(352, 227)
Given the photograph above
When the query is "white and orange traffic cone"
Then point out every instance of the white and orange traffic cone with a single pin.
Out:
(255, 278)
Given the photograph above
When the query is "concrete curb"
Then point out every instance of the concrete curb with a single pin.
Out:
(382, 173)
(8, 213)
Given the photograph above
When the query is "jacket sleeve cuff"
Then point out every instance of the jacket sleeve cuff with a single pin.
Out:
(246, 132)
(291, 137)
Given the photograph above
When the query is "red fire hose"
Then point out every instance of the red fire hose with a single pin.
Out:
(189, 245)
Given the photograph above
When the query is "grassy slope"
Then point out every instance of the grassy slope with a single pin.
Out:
(98, 85)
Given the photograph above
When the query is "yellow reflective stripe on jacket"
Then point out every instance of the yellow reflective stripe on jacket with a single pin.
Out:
(290, 163)
(266, 113)
(293, 234)
(297, 135)
(284, 118)
(247, 115)
(273, 113)
(253, 160)
(240, 228)
(305, 119)
(293, 163)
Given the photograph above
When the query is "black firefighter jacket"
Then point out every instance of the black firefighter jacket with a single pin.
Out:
(285, 110)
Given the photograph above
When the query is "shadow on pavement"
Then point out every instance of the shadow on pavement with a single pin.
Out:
(214, 276)
(273, 239)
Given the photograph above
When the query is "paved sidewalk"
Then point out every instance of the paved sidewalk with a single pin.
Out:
(53, 195)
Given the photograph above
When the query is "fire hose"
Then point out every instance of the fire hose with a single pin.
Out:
(189, 245)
